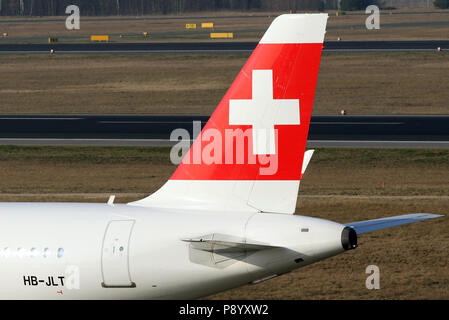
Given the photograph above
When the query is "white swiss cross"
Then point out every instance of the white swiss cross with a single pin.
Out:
(263, 112)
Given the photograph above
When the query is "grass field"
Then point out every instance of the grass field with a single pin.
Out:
(345, 172)
(395, 25)
(341, 185)
(362, 83)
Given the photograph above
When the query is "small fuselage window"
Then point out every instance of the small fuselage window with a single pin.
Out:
(34, 252)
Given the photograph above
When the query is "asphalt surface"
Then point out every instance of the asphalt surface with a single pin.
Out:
(402, 131)
(214, 47)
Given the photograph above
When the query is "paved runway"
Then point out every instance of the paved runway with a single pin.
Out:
(154, 130)
(214, 47)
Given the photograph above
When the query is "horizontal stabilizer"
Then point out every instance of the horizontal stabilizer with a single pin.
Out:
(221, 243)
(307, 156)
(384, 223)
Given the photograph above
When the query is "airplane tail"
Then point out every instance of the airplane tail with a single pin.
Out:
(250, 156)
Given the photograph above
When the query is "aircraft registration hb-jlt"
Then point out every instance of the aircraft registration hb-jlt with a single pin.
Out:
(212, 226)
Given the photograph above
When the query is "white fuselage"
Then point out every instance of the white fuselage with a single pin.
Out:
(98, 251)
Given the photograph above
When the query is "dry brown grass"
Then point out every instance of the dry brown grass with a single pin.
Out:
(341, 185)
(345, 172)
(160, 28)
(82, 170)
(114, 84)
(364, 83)
(418, 26)
(394, 83)
(378, 172)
